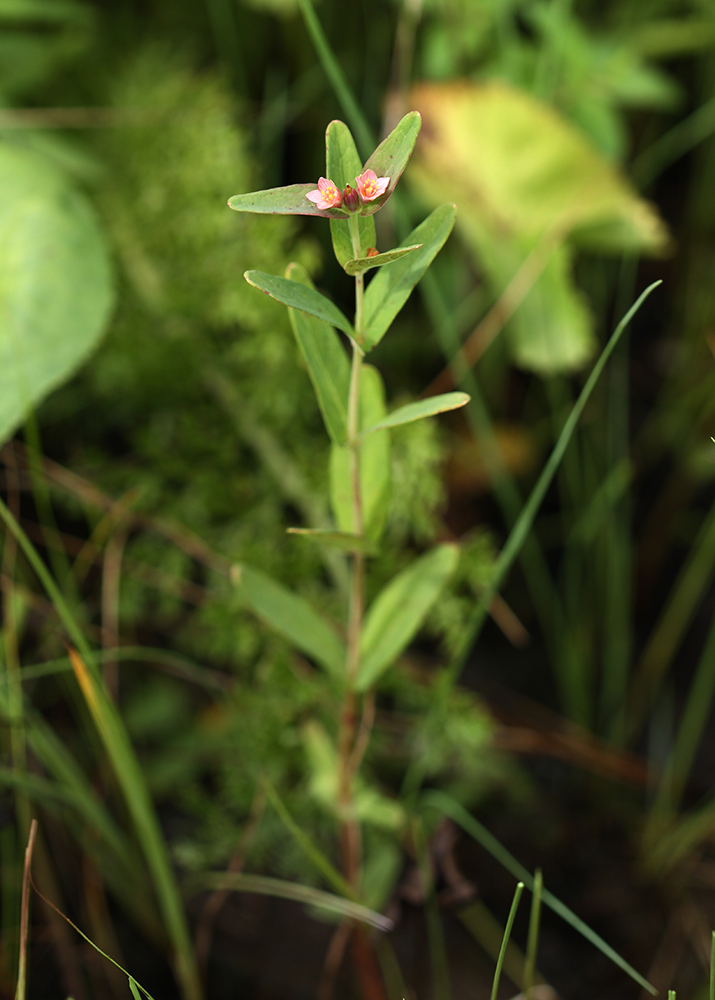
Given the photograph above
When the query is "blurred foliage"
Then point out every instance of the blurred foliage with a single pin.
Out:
(196, 417)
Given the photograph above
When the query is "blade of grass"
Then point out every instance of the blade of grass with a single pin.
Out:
(131, 780)
(448, 807)
(177, 665)
(488, 933)
(356, 119)
(265, 886)
(524, 522)
(127, 768)
(136, 985)
(314, 853)
(690, 731)
(532, 943)
(618, 597)
(533, 563)
(25, 915)
(439, 962)
(667, 635)
(712, 966)
(505, 939)
(45, 577)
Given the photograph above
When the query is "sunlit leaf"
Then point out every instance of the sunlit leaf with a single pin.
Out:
(422, 408)
(327, 362)
(55, 282)
(359, 264)
(397, 613)
(298, 296)
(523, 177)
(292, 616)
(374, 465)
(390, 288)
(343, 164)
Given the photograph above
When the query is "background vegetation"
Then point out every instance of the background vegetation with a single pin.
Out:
(159, 428)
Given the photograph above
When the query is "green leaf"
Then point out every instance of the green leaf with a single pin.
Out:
(264, 885)
(391, 156)
(343, 164)
(390, 289)
(359, 264)
(342, 540)
(292, 616)
(290, 200)
(422, 408)
(55, 282)
(327, 363)
(397, 613)
(298, 296)
(374, 465)
(525, 180)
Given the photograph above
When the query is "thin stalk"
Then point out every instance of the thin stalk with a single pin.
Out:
(505, 940)
(712, 967)
(341, 87)
(533, 939)
(25, 915)
(350, 842)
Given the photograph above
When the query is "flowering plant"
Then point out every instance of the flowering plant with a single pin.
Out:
(351, 398)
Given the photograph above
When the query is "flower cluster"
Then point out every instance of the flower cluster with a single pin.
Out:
(369, 187)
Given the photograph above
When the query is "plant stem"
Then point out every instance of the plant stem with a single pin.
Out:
(350, 831)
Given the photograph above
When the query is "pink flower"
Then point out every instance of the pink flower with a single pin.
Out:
(370, 186)
(326, 195)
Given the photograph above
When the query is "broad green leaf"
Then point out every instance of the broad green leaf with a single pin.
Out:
(391, 156)
(342, 540)
(359, 264)
(290, 200)
(528, 182)
(397, 613)
(422, 408)
(374, 465)
(298, 296)
(292, 616)
(327, 362)
(390, 289)
(343, 164)
(55, 282)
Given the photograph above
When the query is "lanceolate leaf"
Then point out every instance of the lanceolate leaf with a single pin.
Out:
(359, 264)
(343, 540)
(390, 288)
(290, 200)
(328, 366)
(391, 156)
(398, 611)
(297, 296)
(422, 408)
(374, 465)
(292, 616)
(343, 164)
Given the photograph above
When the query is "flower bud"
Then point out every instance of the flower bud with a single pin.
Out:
(351, 199)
